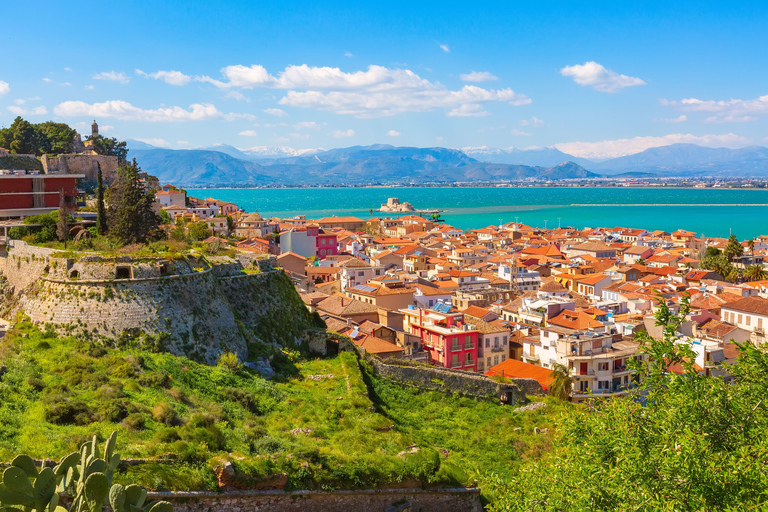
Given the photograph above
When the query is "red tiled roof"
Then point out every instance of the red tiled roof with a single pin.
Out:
(515, 369)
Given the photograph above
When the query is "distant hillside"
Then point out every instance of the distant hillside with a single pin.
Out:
(691, 160)
(355, 165)
(546, 157)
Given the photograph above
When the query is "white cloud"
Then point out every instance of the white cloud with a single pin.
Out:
(90, 87)
(534, 122)
(303, 136)
(723, 111)
(519, 133)
(169, 77)
(161, 143)
(445, 48)
(375, 92)
(237, 95)
(680, 119)
(469, 110)
(112, 76)
(19, 101)
(21, 111)
(622, 147)
(183, 143)
(596, 76)
(277, 112)
(478, 76)
(348, 55)
(248, 133)
(340, 134)
(393, 133)
(47, 80)
(124, 111)
(5, 88)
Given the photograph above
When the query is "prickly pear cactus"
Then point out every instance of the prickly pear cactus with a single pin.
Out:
(84, 476)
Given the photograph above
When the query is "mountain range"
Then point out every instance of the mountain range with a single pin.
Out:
(223, 165)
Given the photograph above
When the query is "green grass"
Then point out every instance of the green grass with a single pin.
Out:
(57, 392)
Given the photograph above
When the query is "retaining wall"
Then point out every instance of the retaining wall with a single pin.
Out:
(468, 384)
(375, 500)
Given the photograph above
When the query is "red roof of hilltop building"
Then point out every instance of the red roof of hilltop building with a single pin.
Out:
(514, 369)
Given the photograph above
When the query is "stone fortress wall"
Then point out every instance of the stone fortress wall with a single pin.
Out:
(81, 164)
(186, 305)
(440, 379)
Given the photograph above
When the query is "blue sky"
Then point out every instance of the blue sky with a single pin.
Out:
(593, 79)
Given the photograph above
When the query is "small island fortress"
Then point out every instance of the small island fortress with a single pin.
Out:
(393, 205)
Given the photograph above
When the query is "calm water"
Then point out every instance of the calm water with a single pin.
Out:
(712, 212)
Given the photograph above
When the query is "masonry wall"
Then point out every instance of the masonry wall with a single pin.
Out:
(82, 164)
(468, 384)
(379, 500)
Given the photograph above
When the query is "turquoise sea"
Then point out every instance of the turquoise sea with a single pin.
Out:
(711, 212)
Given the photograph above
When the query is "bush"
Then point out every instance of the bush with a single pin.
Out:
(230, 362)
(135, 421)
(166, 435)
(165, 413)
(69, 412)
(242, 397)
(113, 411)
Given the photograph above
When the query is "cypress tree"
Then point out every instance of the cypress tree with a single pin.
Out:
(131, 218)
(101, 214)
(62, 224)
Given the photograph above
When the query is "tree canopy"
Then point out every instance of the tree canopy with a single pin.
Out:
(23, 137)
(685, 441)
(131, 218)
(110, 147)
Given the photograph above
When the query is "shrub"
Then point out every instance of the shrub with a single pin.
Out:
(113, 411)
(166, 435)
(229, 361)
(165, 413)
(68, 412)
(135, 421)
(155, 379)
(35, 383)
(211, 436)
(242, 397)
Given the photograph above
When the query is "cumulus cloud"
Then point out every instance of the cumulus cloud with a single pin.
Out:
(277, 112)
(112, 76)
(445, 48)
(169, 77)
(534, 121)
(596, 76)
(248, 133)
(124, 111)
(468, 110)
(393, 133)
(723, 111)
(622, 147)
(478, 76)
(5, 88)
(341, 134)
(375, 92)
(21, 111)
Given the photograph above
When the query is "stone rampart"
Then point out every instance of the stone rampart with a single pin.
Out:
(182, 305)
(439, 379)
(81, 164)
(423, 500)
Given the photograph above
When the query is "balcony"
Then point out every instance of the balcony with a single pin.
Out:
(498, 349)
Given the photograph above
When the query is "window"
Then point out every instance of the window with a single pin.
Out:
(602, 367)
(496, 341)
(495, 360)
(749, 319)
(378, 272)
(505, 341)
(489, 362)
(739, 321)
(759, 323)
(487, 343)
(361, 273)
(468, 339)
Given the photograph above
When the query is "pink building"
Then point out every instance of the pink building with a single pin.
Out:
(326, 244)
(449, 341)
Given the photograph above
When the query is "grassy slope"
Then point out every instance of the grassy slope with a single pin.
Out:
(166, 406)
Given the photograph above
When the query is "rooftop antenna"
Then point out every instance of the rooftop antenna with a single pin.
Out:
(545, 224)
(558, 222)
(516, 219)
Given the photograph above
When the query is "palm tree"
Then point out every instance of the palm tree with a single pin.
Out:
(751, 245)
(561, 385)
(755, 273)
